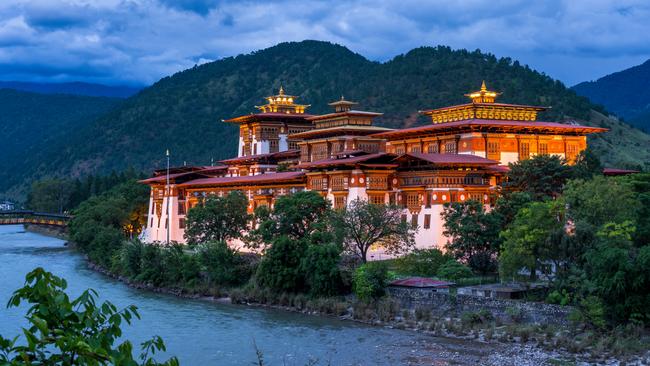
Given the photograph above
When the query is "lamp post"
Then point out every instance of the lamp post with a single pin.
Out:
(167, 226)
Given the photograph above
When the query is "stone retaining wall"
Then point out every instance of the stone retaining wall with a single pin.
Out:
(443, 304)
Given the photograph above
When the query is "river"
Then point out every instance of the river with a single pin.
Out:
(202, 332)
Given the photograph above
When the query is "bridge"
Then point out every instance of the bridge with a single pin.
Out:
(33, 218)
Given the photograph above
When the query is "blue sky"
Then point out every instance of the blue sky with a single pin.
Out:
(140, 41)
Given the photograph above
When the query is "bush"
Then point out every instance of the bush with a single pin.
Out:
(453, 270)
(558, 297)
(223, 265)
(370, 280)
(321, 268)
(422, 262)
(280, 269)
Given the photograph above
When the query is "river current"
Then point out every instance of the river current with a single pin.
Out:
(201, 332)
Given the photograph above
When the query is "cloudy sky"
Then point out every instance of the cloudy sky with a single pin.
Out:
(140, 41)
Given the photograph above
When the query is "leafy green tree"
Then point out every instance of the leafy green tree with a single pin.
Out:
(363, 225)
(542, 176)
(72, 332)
(217, 219)
(101, 223)
(50, 195)
(296, 215)
(529, 240)
(601, 200)
(369, 281)
(473, 234)
(280, 268)
(587, 165)
(422, 262)
(454, 270)
(320, 266)
(617, 274)
(224, 265)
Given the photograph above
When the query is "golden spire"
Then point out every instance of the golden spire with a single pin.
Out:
(484, 95)
(281, 90)
(282, 103)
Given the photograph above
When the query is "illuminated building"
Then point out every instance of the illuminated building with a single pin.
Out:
(462, 155)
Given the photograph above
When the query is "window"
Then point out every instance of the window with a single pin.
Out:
(571, 152)
(293, 145)
(428, 200)
(274, 146)
(399, 150)
(414, 221)
(404, 218)
(415, 149)
(524, 151)
(450, 147)
(181, 223)
(319, 152)
(254, 149)
(493, 150)
(413, 200)
(427, 221)
(151, 224)
(432, 148)
(543, 148)
(181, 208)
(376, 199)
(339, 202)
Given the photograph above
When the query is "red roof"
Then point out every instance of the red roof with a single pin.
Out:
(450, 158)
(515, 106)
(201, 171)
(346, 161)
(616, 171)
(344, 113)
(248, 179)
(478, 124)
(251, 158)
(269, 115)
(421, 282)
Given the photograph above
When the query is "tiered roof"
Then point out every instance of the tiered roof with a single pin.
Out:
(279, 107)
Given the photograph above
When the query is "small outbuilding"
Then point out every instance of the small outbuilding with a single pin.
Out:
(423, 283)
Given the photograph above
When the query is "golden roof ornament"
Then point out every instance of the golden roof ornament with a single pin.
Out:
(484, 95)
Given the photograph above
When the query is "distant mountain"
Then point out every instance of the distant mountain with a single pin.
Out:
(626, 93)
(74, 88)
(183, 112)
(34, 126)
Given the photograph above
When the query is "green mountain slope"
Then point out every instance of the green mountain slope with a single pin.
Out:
(626, 93)
(183, 112)
(30, 124)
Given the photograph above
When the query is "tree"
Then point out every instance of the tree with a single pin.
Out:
(542, 176)
(72, 332)
(453, 270)
(422, 262)
(529, 240)
(280, 268)
(223, 265)
(587, 165)
(50, 195)
(473, 234)
(296, 215)
(320, 266)
(217, 219)
(369, 281)
(362, 225)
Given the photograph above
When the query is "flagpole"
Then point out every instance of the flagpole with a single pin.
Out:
(168, 197)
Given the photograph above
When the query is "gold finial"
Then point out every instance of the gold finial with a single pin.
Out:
(281, 90)
(483, 87)
(342, 97)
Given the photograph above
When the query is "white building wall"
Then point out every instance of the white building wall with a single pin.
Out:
(240, 147)
(509, 157)
(283, 144)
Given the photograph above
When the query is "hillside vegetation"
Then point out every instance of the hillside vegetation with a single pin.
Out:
(626, 93)
(183, 112)
(32, 126)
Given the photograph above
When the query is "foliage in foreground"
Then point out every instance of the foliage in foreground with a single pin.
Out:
(72, 332)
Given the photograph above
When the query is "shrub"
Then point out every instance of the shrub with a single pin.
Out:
(280, 269)
(559, 298)
(223, 265)
(369, 281)
(321, 268)
(453, 270)
(422, 262)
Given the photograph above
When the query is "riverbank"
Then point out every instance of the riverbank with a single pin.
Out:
(50, 231)
(524, 343)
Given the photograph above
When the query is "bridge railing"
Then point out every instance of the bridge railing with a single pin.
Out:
(32, 217)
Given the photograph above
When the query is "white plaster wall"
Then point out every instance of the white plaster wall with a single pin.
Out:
(509, 157)
(283, 144)
(240, 146)
(263, 147)
(474, 152)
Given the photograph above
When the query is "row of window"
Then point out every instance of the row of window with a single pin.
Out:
(414, 220)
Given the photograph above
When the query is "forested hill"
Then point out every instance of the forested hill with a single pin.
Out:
(32, 127)
(74, 88)
(183, 112)
(626, 93)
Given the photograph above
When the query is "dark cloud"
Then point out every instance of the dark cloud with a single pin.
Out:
(140, 41)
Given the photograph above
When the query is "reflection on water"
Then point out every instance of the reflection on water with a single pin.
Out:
(198, 332)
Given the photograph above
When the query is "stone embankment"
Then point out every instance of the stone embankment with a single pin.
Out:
(454, 305)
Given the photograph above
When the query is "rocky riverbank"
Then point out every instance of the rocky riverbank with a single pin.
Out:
(495, 342)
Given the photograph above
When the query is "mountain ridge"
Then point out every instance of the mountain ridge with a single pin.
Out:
(183, 112)
(73, 88)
